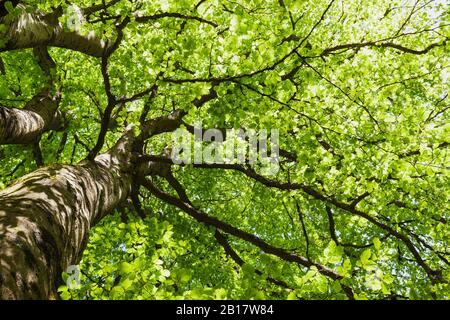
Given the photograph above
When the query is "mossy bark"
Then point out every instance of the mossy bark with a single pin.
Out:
(45, 218)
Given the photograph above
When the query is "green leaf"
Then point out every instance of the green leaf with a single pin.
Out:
(126, 268)
(292, 296)
(377, 244)
(8, 6)
(365, 256)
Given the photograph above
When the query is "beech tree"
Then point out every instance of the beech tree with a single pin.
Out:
(93, 204)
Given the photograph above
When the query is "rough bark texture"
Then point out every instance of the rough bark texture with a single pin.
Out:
(45, 218)
(23, 126)
(30, 30)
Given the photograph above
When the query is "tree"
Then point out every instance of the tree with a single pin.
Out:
(92, 96)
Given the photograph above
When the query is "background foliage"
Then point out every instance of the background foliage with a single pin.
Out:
(359, 91)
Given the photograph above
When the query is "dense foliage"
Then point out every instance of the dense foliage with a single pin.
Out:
(359, 93)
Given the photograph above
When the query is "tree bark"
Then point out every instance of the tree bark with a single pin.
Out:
(45, 218)
(24, 126)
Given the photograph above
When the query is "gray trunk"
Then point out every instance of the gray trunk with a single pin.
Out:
(45, 218)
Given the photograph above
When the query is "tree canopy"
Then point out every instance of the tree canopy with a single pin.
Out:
(358, 91)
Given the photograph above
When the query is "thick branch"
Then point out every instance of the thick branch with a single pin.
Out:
(174, 15)
(225, 227)
(30, 30)
(24, 126)
(434, 275)
(375, 44)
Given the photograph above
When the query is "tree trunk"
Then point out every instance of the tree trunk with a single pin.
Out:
(45, 218)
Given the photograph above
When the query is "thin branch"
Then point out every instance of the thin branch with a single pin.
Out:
(112, 101)
(346, 94)
(431, 116)
(20, 164)
(315, 25)
(174, 15)
(222, 240)
(305, 233)
(98, 7)
(37, 154)
(332, 230)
